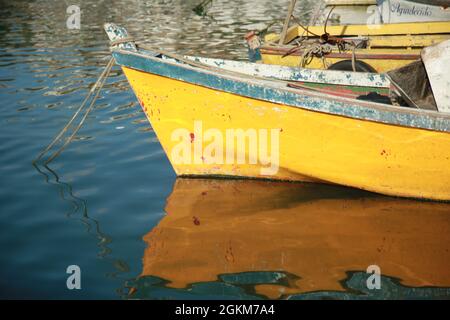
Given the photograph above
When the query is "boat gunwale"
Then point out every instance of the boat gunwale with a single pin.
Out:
(285, 51)
(429, 28)
(287, 73)
(440, 122)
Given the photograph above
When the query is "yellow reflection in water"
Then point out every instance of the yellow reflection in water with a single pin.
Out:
(316, 232)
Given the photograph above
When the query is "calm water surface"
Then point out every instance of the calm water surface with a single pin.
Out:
(112, 205)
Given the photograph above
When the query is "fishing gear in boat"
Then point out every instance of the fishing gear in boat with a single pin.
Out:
(312, 45)
(95, 90)
(383, 42)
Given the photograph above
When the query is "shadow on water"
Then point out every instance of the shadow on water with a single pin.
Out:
(247, 239)
(79, 212)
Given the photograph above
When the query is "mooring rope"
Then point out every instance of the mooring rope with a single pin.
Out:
(97, 86)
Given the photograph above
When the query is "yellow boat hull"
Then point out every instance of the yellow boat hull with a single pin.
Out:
(313, 146)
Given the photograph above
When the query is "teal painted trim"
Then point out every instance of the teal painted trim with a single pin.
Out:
(254, 55)
(266, 90)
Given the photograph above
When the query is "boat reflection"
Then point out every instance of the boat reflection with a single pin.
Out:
(259, 239)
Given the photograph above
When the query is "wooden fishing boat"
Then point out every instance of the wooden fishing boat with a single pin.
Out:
(311, 236)
(372, 46)
(212, 121)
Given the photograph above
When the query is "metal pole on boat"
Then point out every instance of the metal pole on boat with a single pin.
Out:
(286, 22)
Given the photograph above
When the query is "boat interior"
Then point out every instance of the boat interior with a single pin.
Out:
(407, 87)
(377, 90)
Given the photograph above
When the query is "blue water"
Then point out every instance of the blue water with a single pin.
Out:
(93, 205)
